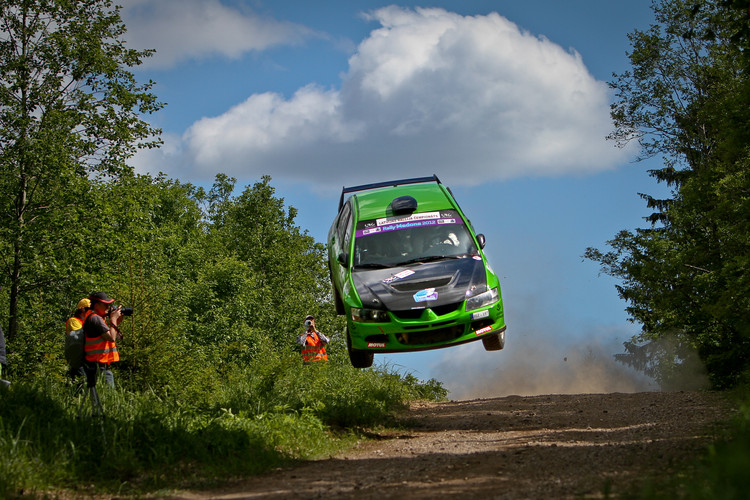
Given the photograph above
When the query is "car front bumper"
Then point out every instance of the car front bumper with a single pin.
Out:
(419, 334)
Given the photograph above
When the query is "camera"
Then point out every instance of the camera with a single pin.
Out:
(126, 311)
(308, 323)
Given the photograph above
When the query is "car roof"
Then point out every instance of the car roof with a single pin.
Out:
(374, 204)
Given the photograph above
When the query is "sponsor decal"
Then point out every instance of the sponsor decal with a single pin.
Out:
(480, 314)
(425, 295)
(483, 330)
(424, 219)
(376, 345)
(398, 276)
(408, 218)
(476, 257)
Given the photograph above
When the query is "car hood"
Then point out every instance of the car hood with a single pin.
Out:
(421, 285)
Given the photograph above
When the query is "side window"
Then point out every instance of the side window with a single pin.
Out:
(348, 231)
(343, 223)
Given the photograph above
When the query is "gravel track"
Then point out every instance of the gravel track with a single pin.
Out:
(557, 446)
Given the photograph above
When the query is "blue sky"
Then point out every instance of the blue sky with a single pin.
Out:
(506, 101)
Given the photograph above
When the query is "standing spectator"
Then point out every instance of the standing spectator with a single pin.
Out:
(313, 342)
(101, 331)
(75, 322)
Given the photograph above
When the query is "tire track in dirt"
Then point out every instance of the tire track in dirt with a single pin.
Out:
(557, 446)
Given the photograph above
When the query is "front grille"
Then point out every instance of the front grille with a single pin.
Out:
(408, 313)
(422, 327)
(431, 336)
(446, 308)
(377, 338)
(416, 313)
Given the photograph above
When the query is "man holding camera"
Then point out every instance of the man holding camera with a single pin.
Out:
(100, 349)
(313, 342)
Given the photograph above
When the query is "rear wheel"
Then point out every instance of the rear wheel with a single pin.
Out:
(494, 342)
(336, 297)
(340, 310)
(359, 359)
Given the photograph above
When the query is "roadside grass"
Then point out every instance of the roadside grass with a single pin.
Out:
(259, 417)
(722, 473)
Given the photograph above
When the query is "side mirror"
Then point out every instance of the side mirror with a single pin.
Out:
(481, 240)
(343, 259)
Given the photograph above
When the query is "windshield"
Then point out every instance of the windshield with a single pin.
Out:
(394, 241)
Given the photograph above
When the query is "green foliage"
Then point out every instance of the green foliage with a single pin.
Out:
(69, 110)
(210, 382)
(686, 99)
(250, 419)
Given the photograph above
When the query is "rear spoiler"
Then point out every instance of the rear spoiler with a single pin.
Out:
(364, 187)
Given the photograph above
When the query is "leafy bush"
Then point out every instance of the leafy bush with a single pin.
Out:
(251, 418)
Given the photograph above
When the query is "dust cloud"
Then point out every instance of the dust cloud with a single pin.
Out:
(537, 364)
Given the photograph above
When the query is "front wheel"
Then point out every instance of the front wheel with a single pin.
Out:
(359, 359)
(494, 342)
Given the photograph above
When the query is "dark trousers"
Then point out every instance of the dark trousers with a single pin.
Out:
(92, 369)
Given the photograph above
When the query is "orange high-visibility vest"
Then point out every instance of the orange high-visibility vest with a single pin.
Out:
(99, 350)
(314, 348)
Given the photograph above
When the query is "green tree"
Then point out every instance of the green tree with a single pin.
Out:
(686, 100)
(69, 113)
(146, 252)
(260, 276)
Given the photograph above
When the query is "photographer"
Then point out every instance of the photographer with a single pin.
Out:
(101, 331)
(313, 342)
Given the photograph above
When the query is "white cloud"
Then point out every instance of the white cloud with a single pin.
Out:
(469, 98)
(198, 29)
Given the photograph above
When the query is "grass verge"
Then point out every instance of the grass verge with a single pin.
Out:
(180, 437)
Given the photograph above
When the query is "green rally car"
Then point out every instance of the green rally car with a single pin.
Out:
(409, 272)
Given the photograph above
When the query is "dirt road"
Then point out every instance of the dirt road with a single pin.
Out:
(562, 446)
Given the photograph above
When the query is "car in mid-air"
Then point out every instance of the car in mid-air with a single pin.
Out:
(409, 272)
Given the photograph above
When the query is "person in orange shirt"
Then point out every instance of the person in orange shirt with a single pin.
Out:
(313, 342)
(101, 329)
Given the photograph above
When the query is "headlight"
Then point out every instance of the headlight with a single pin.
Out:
(369, 315)
(482, 300)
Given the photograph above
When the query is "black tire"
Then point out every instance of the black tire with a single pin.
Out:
(359, 359)
(336, 297)
(494, 342)
(340, 310)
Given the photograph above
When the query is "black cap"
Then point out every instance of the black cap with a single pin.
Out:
(100, 297)
(309, 316)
